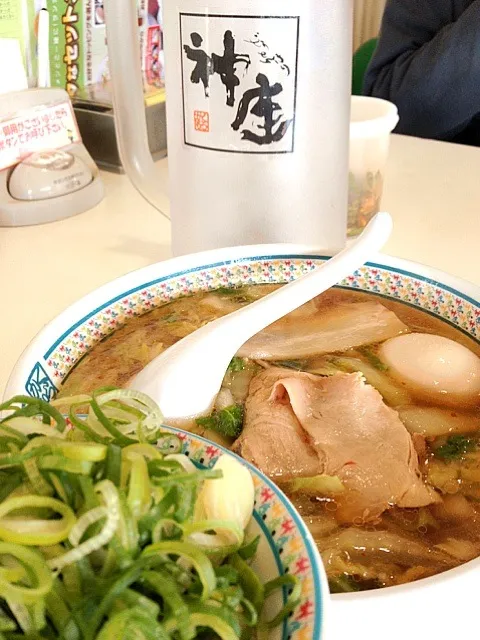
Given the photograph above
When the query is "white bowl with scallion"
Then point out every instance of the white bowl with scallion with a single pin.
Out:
(114, 526)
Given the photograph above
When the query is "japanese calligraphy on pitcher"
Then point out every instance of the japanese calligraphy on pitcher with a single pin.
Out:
(239, 79)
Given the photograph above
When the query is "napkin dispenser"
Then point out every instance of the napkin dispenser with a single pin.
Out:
(46, 173)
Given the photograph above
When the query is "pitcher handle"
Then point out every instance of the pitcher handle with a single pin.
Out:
(128, 99)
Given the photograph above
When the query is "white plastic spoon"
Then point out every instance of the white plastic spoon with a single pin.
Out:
(185, 379)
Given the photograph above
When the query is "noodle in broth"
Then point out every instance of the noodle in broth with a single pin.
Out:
(400, 544)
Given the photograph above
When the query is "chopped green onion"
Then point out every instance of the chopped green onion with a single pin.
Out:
(131, 598)
(110, 495)
(60, 463)
(57, 609)
(28, 406)
(252, 587)
(38, 572)
(216, 618)
(133, 623)
(32, 531)
(249, 549)
(193, 556)
(170, 593)
(109, 425)
(168, 444)
(292, 600)
(113, 467)
(139, 491)
(89, 518)
(9, 483)
(30, 426)
(103, 535)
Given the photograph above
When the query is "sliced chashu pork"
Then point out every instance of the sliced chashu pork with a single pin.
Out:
(297, 424)
(273, 439)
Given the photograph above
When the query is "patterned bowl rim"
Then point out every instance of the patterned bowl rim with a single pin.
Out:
(184, 265)
(319, 596)
(74, 315)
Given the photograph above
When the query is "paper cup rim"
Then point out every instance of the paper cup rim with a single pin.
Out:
(381, 123)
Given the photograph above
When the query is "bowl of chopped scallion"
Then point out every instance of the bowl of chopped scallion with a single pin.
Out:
(115, 527)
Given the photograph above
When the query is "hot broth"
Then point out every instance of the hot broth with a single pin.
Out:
(388, 545)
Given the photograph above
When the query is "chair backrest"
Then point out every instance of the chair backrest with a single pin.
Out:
(361, 60)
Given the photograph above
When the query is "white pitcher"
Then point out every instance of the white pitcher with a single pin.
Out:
(258, 99)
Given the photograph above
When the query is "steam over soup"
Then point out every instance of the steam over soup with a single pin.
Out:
(365, 411)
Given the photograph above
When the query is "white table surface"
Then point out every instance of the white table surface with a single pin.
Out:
(432, 190)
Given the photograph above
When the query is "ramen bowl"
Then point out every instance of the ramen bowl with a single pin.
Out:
(442, 606)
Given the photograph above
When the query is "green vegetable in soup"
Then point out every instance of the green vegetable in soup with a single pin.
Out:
(228, 291)
(351, 584)
(170, 318)
(237, 294)
(236, 364)
(343, 584)
(228, 422)
(393, 394)
(455, 447)
(321, 485)
(296, 365)
(372, 358)
(322, 366)
(443, 476)
(434, 422)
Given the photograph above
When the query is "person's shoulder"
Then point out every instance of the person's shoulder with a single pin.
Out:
(443, 10)
(459, 6)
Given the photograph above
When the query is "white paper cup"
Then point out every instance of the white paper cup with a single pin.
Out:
(371, 122)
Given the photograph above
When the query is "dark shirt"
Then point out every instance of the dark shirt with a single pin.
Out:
(428, 63)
